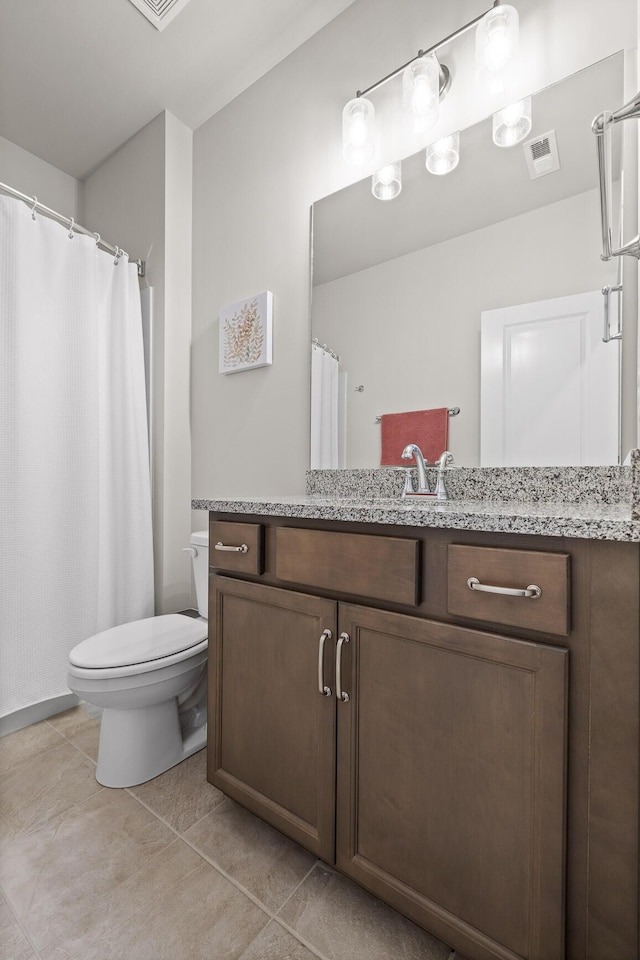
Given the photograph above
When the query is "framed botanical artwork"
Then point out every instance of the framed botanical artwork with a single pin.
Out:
(245, 333)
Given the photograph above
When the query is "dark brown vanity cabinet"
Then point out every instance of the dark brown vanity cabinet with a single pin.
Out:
(271, 734)
(454, 768)
(451, 780)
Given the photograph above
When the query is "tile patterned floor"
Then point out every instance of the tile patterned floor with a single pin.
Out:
(170, 869)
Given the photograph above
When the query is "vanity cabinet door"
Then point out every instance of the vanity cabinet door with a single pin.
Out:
(451, 780)
(271, 736)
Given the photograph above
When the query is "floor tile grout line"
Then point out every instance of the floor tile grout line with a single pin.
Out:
(25, 829)
(258, 903)
(283, 923)
(20, 923)
(305, 943)
(50, 946)
(297, 886)
(79, 749)
(261, 906)
(119, 883)
(270, 915)
(180, 836)
(203, 856)
(205, 815)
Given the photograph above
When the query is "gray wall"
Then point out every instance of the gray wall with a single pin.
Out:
(35, 177)
(260, 163)
(140, 198)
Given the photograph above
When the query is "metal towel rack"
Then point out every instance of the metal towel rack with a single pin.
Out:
(452, 411)
(601, 127)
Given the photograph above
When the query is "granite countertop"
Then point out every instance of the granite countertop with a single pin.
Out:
(594, 503)
(599, 521)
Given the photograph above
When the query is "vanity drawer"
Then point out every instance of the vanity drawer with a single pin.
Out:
(385, 568)
(514, 570)
(224, 540)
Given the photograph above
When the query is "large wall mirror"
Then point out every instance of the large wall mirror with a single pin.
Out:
(399, 288)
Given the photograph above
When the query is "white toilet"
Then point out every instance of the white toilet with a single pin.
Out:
(150, 678)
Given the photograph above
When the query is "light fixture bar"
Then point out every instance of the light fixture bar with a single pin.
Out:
(444, 73)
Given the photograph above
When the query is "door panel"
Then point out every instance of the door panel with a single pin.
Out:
(451, 772)
(272, 739)
(570, 413)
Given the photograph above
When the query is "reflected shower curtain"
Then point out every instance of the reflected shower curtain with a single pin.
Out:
(324, 409)
(75, 504)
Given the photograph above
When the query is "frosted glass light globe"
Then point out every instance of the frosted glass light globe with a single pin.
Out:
(386, 183)
(443, 156)
(512, 124)
(358, 131)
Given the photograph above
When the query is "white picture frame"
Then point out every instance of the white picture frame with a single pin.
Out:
(245, 338)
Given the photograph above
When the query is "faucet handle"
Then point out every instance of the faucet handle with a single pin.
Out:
(408, 483)
(444, 460)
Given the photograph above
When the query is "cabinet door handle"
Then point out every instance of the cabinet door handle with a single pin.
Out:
(532, 591)
(340, 693)
(324, 690)
(243, 548)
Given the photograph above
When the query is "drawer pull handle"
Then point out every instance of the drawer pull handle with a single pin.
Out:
(243, 548)
(340, 693)
(532, 591)
(324, 690)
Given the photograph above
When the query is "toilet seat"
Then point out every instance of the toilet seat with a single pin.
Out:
(139, 647)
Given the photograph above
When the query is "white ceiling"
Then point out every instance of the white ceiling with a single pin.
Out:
(79, 77)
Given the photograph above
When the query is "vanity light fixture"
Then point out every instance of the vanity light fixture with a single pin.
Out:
(443, 156)
(426, 80)
(358, 131)
(497, 41)
(512, 124)
(386, 183)
(421, 93)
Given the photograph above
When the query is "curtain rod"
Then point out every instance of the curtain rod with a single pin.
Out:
(322, 346)
(35, 204)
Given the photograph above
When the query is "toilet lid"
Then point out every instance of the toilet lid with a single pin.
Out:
(139, 641)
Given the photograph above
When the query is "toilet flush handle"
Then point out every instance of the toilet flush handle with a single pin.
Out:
(191, 551)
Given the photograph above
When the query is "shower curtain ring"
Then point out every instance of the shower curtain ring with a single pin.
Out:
(70, 234)
(117, 256)
(97, 236)
(33, 208)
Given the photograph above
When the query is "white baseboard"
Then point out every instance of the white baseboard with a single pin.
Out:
(36, 712)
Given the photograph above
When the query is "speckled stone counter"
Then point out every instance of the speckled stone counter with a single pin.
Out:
(594, 522)
(595, 503)
(596, 485)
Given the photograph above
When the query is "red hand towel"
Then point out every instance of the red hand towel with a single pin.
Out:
(429, 429)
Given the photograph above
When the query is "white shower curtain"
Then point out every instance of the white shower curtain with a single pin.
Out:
(324, 409)
(76, 551)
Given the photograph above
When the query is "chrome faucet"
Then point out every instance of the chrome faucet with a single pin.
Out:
(412, 450)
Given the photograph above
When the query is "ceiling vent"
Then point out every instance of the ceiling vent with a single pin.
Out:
(160, 12)
(541, 154)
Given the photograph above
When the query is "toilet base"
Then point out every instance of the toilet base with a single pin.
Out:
(138, 745)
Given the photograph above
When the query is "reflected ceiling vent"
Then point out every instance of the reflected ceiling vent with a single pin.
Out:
(160, 12)
(542, 155)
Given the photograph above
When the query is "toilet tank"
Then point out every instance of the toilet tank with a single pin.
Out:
(200, 559)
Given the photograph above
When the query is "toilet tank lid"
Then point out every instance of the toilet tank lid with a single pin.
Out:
(140, 641)
(200, 538)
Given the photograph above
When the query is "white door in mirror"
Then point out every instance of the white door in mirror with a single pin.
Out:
(550, 388)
